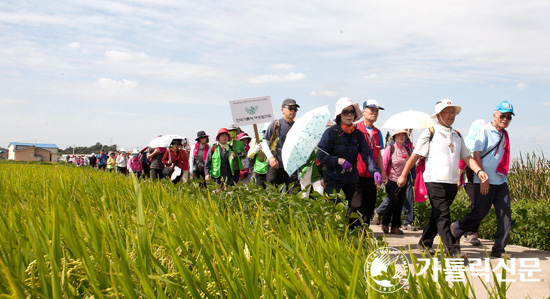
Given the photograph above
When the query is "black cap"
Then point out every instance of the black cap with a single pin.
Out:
(176, 141)
(290, 102)
(200, 134)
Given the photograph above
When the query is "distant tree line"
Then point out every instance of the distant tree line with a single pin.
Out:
(86, 150)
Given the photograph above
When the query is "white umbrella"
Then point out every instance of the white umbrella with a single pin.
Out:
(163, 140)
(303, 137)
(409, 120)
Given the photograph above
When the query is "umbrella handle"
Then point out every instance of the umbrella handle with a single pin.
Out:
(322, 150)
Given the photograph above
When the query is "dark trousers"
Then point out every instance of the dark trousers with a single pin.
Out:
(236, 176)
(225, 180)
(441, 197)
(499, 196)
(121, 170)
(364, 199)
(260, 179)
(199, 175)
(279, 176)
(156, 174)
(469, 188)
(408, 205)
(104, 166)
(334, 186)
(396, 197)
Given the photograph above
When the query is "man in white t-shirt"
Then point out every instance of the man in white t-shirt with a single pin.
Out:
(442, 152)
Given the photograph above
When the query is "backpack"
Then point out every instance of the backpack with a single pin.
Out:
(275, 137)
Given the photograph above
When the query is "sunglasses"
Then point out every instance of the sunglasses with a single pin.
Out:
(508, 117)
(348, 112)
(292, 108)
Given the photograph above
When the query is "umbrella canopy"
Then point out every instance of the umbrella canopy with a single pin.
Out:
(303, 137)
(409, 120)
(163, 140)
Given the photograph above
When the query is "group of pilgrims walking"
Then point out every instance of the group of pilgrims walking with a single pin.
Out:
(354, 157)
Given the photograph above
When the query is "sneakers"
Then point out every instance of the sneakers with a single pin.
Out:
(426, 250)
(501, 255)
(376, 218)
(396, 231)
(473, 239)
(385, 229)
(409, 227)
(460, 256)
(454, 225)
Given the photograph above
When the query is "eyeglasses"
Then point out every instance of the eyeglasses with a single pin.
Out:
(348, 112)
(508, 117)
(450, 112)
(292, 108)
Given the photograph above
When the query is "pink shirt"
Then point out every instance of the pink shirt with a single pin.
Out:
(398, 161)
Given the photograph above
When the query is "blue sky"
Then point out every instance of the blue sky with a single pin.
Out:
(79, 72)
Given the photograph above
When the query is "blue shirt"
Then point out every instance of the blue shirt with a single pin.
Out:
(487, 137)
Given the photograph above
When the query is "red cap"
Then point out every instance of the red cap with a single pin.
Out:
(222, 131)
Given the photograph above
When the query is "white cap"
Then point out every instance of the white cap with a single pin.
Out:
(343, 103)
(440, 105)
(372, 103)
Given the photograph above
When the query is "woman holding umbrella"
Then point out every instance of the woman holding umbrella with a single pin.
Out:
(339, 149)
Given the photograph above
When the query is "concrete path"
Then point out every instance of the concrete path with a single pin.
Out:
(523, 258)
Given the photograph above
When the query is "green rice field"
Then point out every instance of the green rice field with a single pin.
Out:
(68, 232)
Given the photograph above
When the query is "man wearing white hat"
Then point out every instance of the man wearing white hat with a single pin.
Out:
(365, 190)
(442, 148)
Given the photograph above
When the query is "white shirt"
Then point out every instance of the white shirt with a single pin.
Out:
(441, 159)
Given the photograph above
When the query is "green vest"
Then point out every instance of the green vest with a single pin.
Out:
(217, 161)
(259, 166)
(238, 147)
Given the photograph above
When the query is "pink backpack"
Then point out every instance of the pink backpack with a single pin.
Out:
(134, 164)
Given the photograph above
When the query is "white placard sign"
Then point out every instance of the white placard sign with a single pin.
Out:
(251, 111)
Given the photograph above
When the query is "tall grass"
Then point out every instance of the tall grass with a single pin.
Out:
(68, 232)
(529, 177)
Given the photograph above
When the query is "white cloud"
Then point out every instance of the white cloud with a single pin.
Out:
(276, 78)
(521, 86)
(284, 66)
(371, 76)
(546, 104)
(110, 83)
(74, 45)
(125, 56)
(325, 93)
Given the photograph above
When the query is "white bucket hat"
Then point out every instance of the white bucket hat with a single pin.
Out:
(395, 132)
(440, 105)
(343, 103)
(135, 151)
